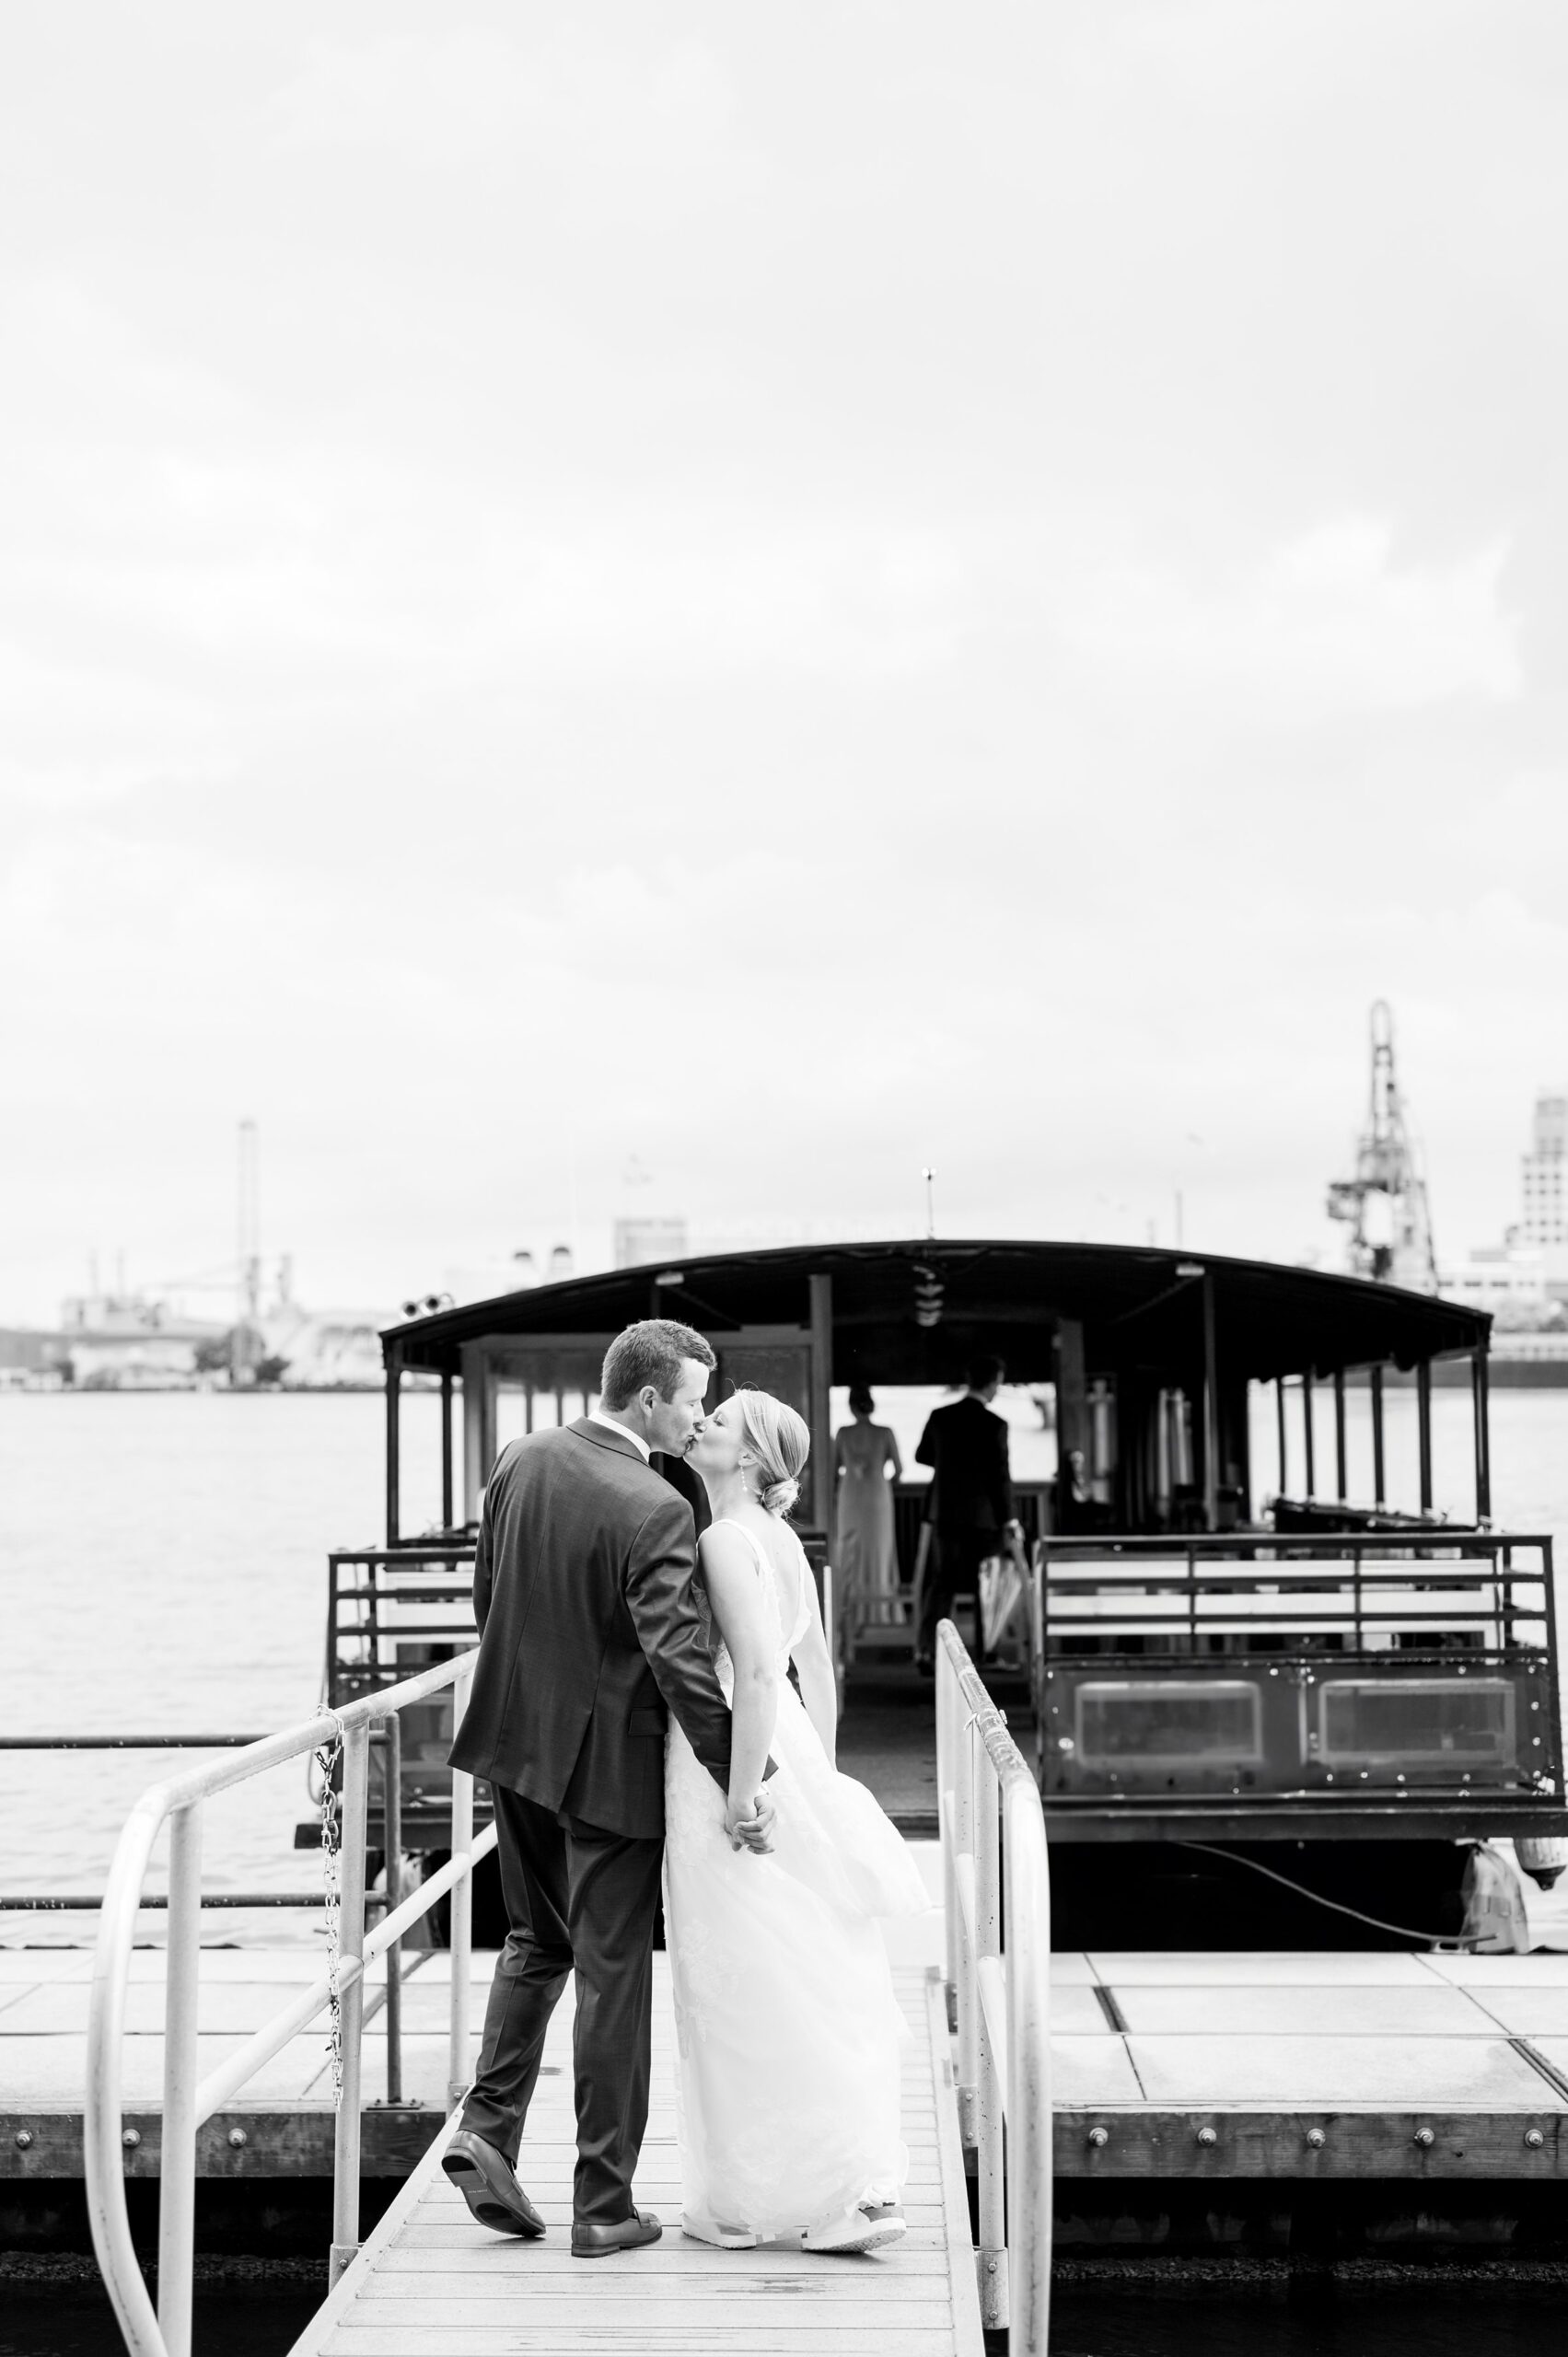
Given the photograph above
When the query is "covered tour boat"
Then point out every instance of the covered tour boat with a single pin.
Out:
(1228, 1628)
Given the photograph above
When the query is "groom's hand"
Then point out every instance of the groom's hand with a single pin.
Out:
(753, 1829)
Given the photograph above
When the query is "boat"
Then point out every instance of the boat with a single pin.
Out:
(1225, 1665)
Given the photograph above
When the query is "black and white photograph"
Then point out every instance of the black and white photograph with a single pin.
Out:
(784, 1178)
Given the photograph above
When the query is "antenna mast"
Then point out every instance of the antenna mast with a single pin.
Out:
(1386, 1204)
(245, 1343)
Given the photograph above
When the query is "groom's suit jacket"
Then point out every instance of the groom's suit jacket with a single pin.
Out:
(589, 1633)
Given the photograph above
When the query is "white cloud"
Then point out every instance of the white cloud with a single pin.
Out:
(1330, 621)
(471, 95)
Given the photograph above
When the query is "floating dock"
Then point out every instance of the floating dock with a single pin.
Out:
(1425, 2066)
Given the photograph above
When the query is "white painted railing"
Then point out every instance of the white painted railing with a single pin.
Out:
(187, 2100)
(996, 1892)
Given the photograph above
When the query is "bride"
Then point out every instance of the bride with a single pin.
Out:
(789, 2033)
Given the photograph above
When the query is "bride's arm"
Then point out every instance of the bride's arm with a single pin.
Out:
(730, 1569)
(814, 1666)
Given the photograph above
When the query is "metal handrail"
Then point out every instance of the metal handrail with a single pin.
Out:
(996, 1863)
(188, 2101)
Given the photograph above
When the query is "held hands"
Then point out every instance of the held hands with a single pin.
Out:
(753, 1828)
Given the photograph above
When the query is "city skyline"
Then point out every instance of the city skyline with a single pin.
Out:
(1537, 1166)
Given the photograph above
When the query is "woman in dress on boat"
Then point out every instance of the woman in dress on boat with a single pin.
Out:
(866, 1463)
(788, 2029)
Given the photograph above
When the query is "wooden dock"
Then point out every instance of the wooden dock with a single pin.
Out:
(1151, 2048)
(430, 2283)
(1137, 2037)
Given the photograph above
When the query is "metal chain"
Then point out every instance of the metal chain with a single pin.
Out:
(327, 1757)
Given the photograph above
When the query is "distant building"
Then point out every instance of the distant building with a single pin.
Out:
(641, 1242)
(1524, 1280)
(1506, 1279)
(326, 1350)
(131, 1341)
(32, 1360)
(1545, 1220)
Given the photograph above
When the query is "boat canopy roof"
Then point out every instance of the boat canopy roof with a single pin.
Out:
(1141, 1311)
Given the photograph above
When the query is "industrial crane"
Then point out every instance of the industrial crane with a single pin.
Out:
(1386, 1203)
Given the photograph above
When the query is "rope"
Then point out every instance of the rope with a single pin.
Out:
(327, 1759)
(1403, 1930)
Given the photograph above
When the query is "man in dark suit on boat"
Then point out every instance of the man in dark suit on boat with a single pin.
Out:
(970, 1502)
(589, 1636)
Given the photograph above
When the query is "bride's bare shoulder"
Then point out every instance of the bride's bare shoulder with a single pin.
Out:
(725, 1546)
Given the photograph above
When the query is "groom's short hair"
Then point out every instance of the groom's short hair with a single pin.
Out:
(651, 1351)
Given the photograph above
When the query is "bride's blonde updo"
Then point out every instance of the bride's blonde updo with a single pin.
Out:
(783, 1443)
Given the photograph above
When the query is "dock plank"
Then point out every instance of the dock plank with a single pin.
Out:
(594, 2338)
(1360, 2074)
(675, 2255)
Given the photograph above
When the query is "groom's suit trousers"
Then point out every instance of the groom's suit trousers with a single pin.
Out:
(578, 1899)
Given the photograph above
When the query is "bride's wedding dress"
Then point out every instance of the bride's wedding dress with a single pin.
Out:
(789, 2033)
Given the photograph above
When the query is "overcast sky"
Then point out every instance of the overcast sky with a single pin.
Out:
(790, 593)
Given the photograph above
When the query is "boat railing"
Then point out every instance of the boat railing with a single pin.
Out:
(188, 2099)
(1338, 1671)
(387, 1602)
(996, 1892)
(1358, 1583)
(1497, 1584)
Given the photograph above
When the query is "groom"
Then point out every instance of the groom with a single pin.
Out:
(590, 1635)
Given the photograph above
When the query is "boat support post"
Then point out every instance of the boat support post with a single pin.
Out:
(821, 1290)
(1306, 1432)
(1424, 1429)
(1211, 1410)
(394, 1420)
(1481, 1408)
(446, 1523)
(1380, 1481)
(1341, 1485)
(1280, 1436)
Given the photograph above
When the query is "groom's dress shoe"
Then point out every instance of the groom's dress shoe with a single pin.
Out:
(488, 2186)
(597, 2242)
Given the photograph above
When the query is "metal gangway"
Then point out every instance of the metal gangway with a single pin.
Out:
(426, 2282)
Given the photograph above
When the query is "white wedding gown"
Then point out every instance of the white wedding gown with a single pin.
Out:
(788, 2030)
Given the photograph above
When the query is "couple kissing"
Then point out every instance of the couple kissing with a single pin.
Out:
(629, 1745)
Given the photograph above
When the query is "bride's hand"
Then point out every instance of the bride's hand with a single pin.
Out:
(753, 1828)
